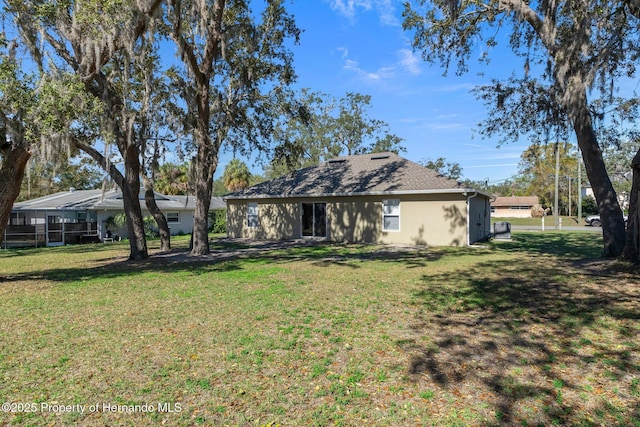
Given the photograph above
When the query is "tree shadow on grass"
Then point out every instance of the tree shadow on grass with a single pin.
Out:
(528, 340)
(234, 256)
(572, 245)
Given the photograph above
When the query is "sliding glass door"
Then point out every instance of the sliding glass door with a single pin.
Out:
(314, 219)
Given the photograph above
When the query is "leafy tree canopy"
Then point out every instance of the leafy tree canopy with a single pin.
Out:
(538, 168)
(50, 177)
(329, 128)
(571, 52)
(444, 167)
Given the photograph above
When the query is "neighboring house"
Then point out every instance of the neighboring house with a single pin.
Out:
(79, 216)
(513, 207)
(587, 191)
(378, 198)
(623, 196)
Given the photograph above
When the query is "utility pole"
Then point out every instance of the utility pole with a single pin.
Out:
(579, 187)
(555, 201)
(569, 195)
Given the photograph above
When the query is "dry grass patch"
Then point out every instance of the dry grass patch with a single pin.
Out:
(518, 333)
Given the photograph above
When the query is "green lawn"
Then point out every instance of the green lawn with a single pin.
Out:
(549, 221)
(536, 331)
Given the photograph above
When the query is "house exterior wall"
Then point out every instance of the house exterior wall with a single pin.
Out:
(277, 219)
(508, 212)
(425, 219)
(479, 218)
(183, 225)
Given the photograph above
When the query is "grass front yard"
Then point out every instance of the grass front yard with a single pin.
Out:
(536, 331)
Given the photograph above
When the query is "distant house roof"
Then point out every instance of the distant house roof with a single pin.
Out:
(110, 199)
(378, 173)
(515, 201)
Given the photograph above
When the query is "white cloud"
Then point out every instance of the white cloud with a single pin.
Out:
(409, 61)
(387, 13)
(344, 50)
(349, 9)
(441, 122)
(446, 126)
(379, 75)
(455, 87)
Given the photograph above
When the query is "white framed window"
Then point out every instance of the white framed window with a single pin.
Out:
(173, 216)
(391, 215)
(252, 214)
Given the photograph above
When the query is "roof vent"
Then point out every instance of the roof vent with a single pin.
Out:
(380, 157)
(334, 161)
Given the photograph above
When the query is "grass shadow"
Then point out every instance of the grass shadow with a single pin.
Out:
(560, 244)
(528, 334)
(225, 256)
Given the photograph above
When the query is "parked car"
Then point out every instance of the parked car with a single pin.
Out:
(594, 220)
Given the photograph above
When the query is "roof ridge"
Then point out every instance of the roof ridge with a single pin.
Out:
(380, 173)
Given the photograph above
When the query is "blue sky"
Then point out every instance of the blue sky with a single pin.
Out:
(359, 46)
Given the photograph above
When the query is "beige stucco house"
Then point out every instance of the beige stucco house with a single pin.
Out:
(376, 198)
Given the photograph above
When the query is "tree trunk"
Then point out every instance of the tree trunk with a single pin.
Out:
(130, 186)
(203, 190)
(161, 220)
(632, 241)
(132, 208)
(14, 161)
(613, 233)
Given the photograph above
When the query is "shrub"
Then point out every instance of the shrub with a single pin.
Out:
(589, 206)
(150, 227)
(537, 211)
(218, 221)
(120, 222)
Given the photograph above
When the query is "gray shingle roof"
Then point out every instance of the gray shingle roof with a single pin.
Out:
(111, 199)
(378, 173)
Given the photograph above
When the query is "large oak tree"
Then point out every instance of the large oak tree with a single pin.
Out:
(91, 43)
(236, 69)
(17, 97)
(568, 49)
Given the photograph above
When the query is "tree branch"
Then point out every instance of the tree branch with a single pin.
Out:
(107, 166)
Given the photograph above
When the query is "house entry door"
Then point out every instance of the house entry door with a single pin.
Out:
(54, 230)
(314, 219)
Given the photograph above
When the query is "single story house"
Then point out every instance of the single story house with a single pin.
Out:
(513, 206)
(78, 216)
(378, 198)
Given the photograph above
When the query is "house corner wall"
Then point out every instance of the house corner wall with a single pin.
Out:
(479, 218)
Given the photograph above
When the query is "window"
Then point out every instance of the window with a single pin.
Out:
(16, 219)
(391, 215)
(252, 214)
(173, 216)
(81, 217)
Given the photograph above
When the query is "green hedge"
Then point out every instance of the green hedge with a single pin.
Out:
(218, 221)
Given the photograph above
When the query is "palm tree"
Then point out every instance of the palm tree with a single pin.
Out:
(172, 179)
(236, 175)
